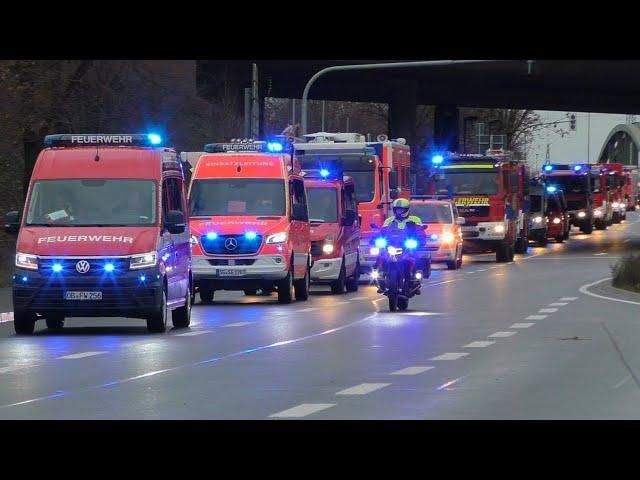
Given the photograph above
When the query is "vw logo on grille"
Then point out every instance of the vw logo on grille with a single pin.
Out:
(231, 243)
(83, 266)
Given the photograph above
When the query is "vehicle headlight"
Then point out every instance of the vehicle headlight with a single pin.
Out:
(381, 242)
(537, 219)
(143, 260)
(327, 248)
(374, 274)
(597, 213)
(615, 204)
(394, 250)
(556, 220)
(279, 237)
(581, 214)
(194, 240)
(498, 228)
(411, 243)
(24, 260)
(448, 237)
(374, 251)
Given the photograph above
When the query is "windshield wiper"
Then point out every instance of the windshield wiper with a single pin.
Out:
(49, 225)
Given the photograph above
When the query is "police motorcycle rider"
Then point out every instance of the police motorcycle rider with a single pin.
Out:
(409, 224)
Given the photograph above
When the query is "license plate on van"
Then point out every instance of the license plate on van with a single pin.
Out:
(83, 295)
(231, 272)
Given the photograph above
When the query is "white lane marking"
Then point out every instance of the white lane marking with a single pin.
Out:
(547, 310)
(627, 240)
(363, 389)
(80, 355)
(420, 314)
(536, 317)
(450, 356)
(440, 283)
(360, 298)
(237, 324)
(479, 344)
(483, 270)
(568, 299)
(191, 334)
(311, 309)
(598, 254)
(558, 304)
(583, 289)
(12, 368)
(622, 382)
(411, 371)
(501, 334)
(302, 410)
(522, 325)
(339, 303)
(499, 274)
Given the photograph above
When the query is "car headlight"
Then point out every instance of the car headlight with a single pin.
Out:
(581, 214)
(597, 213)
(537, 219)
(448, 237)
(615, 204)
(498, 228)
(556, 220)
(374, 251)
(143, 260)
(327, 248)
(24, 260)
(279, 237)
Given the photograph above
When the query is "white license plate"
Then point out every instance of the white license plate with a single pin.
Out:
(468, 229)
(228, 272)
(83, 295)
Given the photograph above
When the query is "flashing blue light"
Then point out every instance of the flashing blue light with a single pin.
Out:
(211, 235)
(154, 139)
(143, 278)
(250, 235)
(274, 147)
(551, 189)
(108, 267)
(577, 168)
(381, 242)
(324, 173)
(433, 236)
(437, 159)
(56, 267)
(411, 243)
(548, 168)
(24, 279)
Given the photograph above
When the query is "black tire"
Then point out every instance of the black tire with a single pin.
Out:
(157, 321)
(600, 225)
(55, 322)
(543, 241)
(522, 244)
(353, 282)
(181, 316)
(251, 291)
(560, 239)
(337, 286)
(302, 286)
(206, 294)
(393, 302)
(616, 217)
(403, 304)
(24, 322)
(452, 265)
(285, 288)
(502, 252)
(588, 228)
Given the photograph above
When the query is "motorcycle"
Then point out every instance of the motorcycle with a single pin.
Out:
(395, 271)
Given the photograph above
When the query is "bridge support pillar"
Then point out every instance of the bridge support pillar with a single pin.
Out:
(446, 128)
(402, 110)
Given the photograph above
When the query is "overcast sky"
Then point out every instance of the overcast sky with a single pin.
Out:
(573, 147)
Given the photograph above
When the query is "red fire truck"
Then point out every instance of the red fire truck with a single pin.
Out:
(575, 182)
(490, 192)
(632, 182)
(380, 171)
(613, 172)
(602, 205)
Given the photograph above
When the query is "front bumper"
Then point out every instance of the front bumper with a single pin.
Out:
(484, 231)
(261, 267)
(538, 233)
(438, 255)
(326, 269)
(123, 294)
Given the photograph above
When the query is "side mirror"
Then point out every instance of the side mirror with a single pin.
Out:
(175, 221)
(299, 212)
(349, 218)
(460, 221)
(12, 222)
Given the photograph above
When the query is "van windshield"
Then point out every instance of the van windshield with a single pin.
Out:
(323, 205)
(92, 202)
(237, 197)
(432, 212)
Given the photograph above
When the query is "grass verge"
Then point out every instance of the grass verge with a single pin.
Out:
(626, 273)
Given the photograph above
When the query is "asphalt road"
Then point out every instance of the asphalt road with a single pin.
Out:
(490, 341)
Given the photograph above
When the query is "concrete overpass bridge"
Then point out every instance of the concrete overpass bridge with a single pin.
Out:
(622, 145)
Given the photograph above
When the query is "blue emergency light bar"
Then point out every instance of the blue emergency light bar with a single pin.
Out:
(97, 139)
(564, 166)
(245, 145)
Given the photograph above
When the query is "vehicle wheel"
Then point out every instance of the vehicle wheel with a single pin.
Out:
(616, 218)
(24, 321)
(452, 265)
(560, 239)
(600, 225)
(522, 244)
(55, 322)
(511, 253)
(157, 321)
(353, 282)
(302, 286)
(426, 271)
(403, 304)
(588, 228)
(206, 294)
(337, 286)
(181, 317)
(251, 291)
(393, 302)
(543, 241)
(285, 288)
(502, 253)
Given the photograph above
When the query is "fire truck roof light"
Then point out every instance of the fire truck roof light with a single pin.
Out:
(274, 147)
(93, 139)
(548, 168)
(437, 159)
(324, 173)
(577, 168)
(154, 139)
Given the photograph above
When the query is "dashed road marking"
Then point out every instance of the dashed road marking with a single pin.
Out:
(360, 298)
(501, 334)
(191, 334)
(311, 309)
(339, 303)
(80, 355)
(411, 371)
(547, 310)
(420, 314)
(558, 304)
(598, 254)
(450, 356)
(302, 410)
(237, 324)
(536, 317)
(13, 368)
(522, 325)
(479, 344)
(363, 389)
(568, 299)
(483, 270)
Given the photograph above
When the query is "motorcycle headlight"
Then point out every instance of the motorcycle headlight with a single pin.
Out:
(447, 237)
(374, 274)
(24, 260)
(279, 237)
(556, 220)
(394, 251)
(143, 260)
(498, 228)
(381, 242)
(537, 219)
(411, 243)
